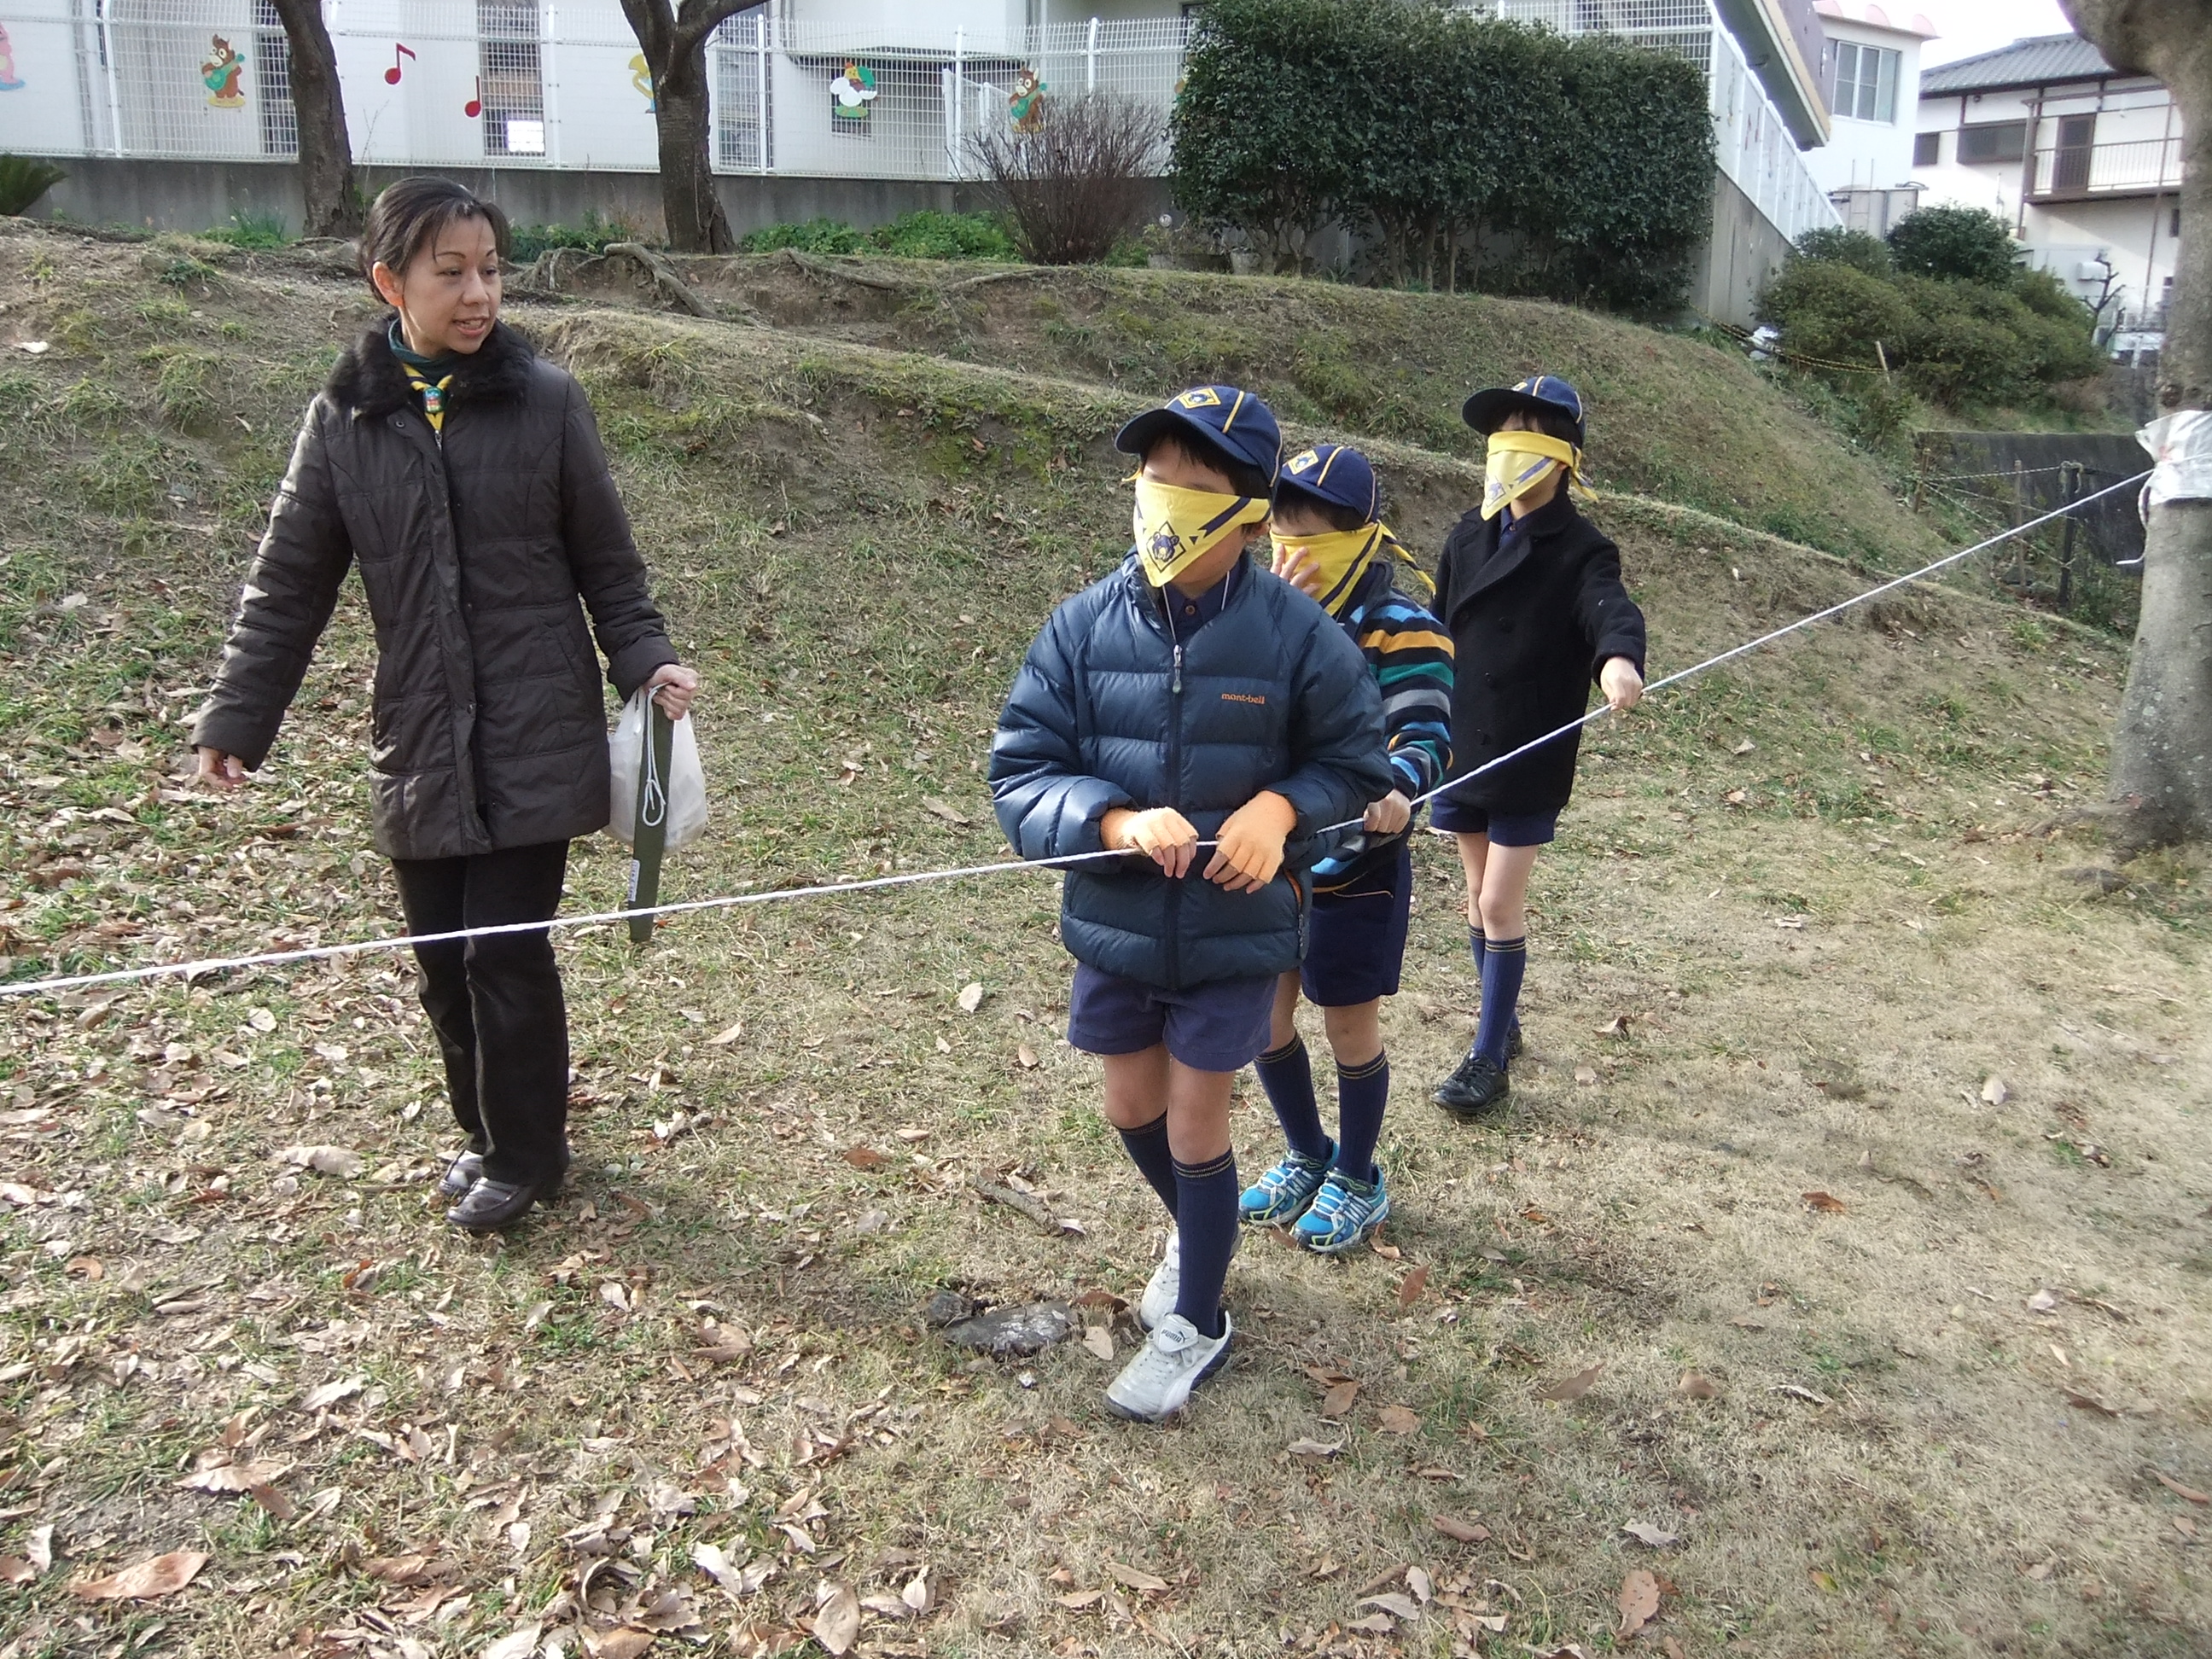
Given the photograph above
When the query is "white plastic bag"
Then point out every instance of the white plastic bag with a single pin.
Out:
(682, 795)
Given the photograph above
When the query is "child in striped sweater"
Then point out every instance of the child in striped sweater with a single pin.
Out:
(1329, 541)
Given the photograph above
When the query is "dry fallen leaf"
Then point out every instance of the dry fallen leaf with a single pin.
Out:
(1100, 1341)
(1316, 1448)
(1825, 1203)
(724, 1039)
(1398, 1606)
(1638, 1602)
(517, 1644)
(1696, 1385)
(1995, 1092)
(2090, 1403)
(944, 809)
(1585, 1074)
(230, 1479)
(1572, 1388)
(164, 1575)
(1411, 1286)
(1646, 1533)
(324, 1160)
(1466, 1532)
(1026, 1055)
(971, 997)
(837, 1626)
(2042, 1302)
(323, 1395)
(2180, 1491)
(623, 1641)
(1337, 1400)
(1135, 1578)
(1398, 1419)
(14, 1570)
(865, 1157)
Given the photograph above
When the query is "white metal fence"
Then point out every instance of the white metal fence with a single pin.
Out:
(856, 88)
(551, 83)
(1752, 143)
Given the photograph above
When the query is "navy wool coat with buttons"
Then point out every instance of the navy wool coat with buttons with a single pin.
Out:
(488, 724)
(1534, 615)
(1109, 711)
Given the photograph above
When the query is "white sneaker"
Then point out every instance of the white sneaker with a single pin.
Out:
(1174, 1360)
(1163, 1287)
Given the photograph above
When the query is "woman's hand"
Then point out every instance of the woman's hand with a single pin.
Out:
(1300, 571)
(1162, 835)
(221, 771)
(678, 686)
(1389, 815)
(1622, 685)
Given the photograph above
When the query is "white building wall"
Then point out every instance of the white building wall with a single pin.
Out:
(2136, 142)
(1865, 155)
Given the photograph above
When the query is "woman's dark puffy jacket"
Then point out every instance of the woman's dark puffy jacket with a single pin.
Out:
(489, 726)
(1533, 613)
(1109, 711)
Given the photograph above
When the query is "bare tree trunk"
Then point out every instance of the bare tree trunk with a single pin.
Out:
(675, 46)
(326, 180)
(2161, 777)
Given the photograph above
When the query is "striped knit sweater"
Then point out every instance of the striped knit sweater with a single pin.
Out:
(1411, 657)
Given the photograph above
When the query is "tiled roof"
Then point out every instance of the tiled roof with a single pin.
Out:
(2035, 62)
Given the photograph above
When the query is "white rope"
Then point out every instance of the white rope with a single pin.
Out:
(828, 890)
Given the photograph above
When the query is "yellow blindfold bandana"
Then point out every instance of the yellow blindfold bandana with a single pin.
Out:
(1340, 555)
(1176, 528)
(1518, 462)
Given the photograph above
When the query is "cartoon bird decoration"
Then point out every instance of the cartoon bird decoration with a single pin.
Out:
(851, 93)
(641, 76)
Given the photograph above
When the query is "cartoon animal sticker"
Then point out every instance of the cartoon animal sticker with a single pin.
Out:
(9, 82)
(851, 94)
(224, 68)
(641, 76)
(1025, 107)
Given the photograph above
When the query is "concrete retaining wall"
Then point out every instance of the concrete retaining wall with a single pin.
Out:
(1745, 249)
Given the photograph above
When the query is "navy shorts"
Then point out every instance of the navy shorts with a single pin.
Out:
(1503, 829)
(1220, 1026)
(1355, 935)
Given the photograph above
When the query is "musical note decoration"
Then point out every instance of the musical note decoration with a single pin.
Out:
(392, 74)
(474, 107)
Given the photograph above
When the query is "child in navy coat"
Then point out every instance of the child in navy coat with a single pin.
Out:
(1531, 593)
(1188, 697)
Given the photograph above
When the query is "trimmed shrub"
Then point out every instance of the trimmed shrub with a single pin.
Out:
(1956, 244)
(1833, 245)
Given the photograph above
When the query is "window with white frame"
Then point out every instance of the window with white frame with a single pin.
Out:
(511, 89)
(1866, 82)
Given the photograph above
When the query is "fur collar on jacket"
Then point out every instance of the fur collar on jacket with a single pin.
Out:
(367, 378)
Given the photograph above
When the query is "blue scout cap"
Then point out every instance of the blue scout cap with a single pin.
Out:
(1337, 474)
(1223, 418)
(1545, 394)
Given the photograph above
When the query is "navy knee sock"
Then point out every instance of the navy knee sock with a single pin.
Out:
(1148, 1149)
(1286, 1073)
(1362, 1092)
(1503, 964)
(1206, 1220)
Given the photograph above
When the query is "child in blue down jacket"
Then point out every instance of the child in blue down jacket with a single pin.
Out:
(1188, 697)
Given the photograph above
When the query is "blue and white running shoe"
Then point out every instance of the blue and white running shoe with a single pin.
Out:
(1280, 1195)
(1344, 1214)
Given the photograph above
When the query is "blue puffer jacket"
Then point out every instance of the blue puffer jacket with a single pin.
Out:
(1110, 710)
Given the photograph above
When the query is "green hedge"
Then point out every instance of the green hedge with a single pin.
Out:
(1428, 129)
(2002, 336)
(924, 233)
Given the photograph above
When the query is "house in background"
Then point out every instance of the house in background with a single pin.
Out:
(2085, 163)
(1870, 75)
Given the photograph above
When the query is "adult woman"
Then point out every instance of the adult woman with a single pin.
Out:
(463, 474)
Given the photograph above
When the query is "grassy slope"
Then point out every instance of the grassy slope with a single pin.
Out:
(1674, 417)
(1903, 803)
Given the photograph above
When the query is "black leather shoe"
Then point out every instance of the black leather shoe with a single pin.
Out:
(463, 1173)
(1475, 1087)
(490, 1204)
